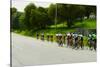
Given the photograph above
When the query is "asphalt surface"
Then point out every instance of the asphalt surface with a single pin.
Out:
(28, 51)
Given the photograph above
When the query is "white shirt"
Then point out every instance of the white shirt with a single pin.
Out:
(68, 34)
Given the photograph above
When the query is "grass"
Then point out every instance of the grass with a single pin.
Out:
(88, 24)
(62, 25)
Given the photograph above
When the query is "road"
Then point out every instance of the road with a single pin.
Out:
(28, 51)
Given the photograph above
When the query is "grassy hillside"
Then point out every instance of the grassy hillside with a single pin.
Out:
(62, 28)
(88, 24)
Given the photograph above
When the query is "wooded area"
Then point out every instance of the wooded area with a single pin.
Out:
(55, 17)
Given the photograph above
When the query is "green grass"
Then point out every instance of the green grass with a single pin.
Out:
(88, 24)
(59, 25)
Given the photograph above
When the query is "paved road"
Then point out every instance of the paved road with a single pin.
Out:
(27, 51)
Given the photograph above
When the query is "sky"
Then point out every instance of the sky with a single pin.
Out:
(21, 4)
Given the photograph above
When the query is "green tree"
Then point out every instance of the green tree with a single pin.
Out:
(28, 9)
(15, 18)
(13, 10)
(89, 10)
(38, 19)
(21, 22)
(45, 19)
(41, 9)
(52, 12)
(69, 12)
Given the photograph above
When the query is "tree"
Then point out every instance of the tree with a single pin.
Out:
(89, 10)
(21, 22)
(34, 17)
(41, 9)
(15, 18)
(69, 13)
(28, 9)
(52, 12)
(38, 19)
(45, 19)
(13, 10)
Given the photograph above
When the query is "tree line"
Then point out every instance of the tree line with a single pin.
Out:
(34, 17)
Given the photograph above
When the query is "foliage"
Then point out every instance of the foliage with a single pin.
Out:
(57, 17)
(70, 13)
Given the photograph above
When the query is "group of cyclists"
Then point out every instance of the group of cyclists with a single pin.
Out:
(74, 40)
